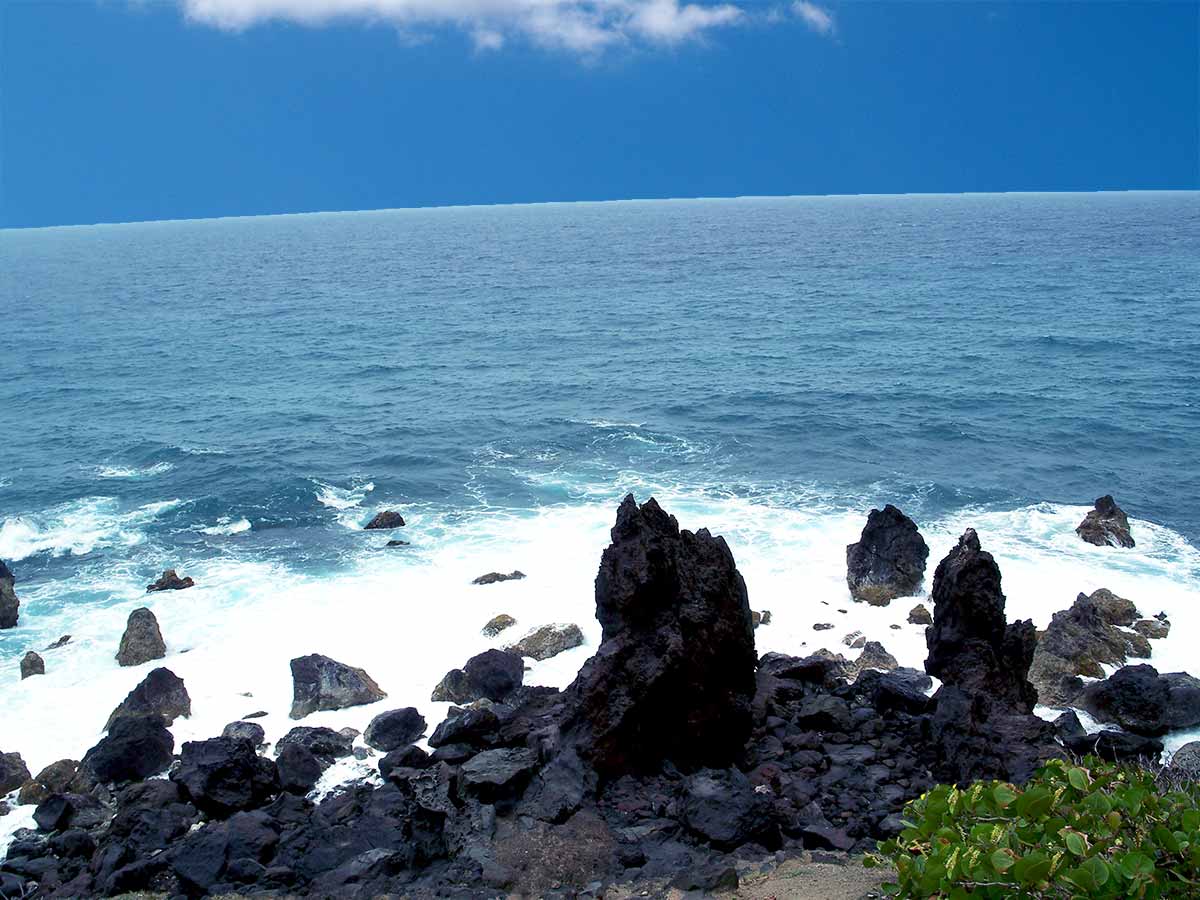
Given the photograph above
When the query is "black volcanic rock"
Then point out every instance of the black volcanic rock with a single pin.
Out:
(170, 581)
(1141, 700)
(394, 728)
(1106, 525)
(496, 577)
(13, 772)
(9, 604)
(224, 775)
(32, 664)
(319, 682)
(160, 693)
(136, 747)
(142, 641)
(674, 675)
(888, 561)
(385, 520)
(492, 674)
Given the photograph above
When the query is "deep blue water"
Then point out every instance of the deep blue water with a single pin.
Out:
(164, 381)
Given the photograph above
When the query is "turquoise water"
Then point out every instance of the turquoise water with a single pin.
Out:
(234, 397)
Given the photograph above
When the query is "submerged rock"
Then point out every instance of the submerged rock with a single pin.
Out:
(170, 581)
(319, 682)
(494, 577)
(674, 675)
(9, 604)
(547, 641)
(142, 641)
(385, 520)
(888, 561)
(491, 675)
(1106, 525)
(13, 772)
(498, 624)
(135, 748)
(394, 729)
(61, 642)
(1141, 700)
(32, 664)
(160, 693)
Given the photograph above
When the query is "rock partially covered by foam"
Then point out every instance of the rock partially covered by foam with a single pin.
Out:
(547, 641)
(160, 693)
(385, 520)
(142, 640)
(674, 675)
(319, 682)
(1141, 700)
(888, 561)
(32, 664)
(1106, 525)
(9, 604)
(170, 581)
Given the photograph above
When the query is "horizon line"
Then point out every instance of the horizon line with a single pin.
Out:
(729, 198)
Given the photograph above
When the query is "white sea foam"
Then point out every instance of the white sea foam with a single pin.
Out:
(132, 471)
(408, 617)
(77, 527)
(342, 498)
(227, 526)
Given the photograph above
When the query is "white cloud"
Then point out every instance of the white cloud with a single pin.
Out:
(579, 25)
(818, 18)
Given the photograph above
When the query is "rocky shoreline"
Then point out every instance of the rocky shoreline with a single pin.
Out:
(676, 757)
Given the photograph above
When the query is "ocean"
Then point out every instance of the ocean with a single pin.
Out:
(235, 398)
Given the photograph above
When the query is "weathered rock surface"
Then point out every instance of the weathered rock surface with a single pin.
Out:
(547, 641)
(1187, 760)
(162, 693)
(32, 664)
(325, 744)
(135, 748)
(10, 606)
(1106, 525)
(61, 777)
(888, 560)
(1115, 746)
(1113, 609)
(394, 728)
(169, 580)
(319, 682)
(674, 675)
(385, 520)
(494, 577)
(61, 642)
(13, 772)
(919, 615)
(222, 776)
(498, 624)
(491, 675)
(142, 641)
(1142, 701)
(760, 618)
(245, 731)
(1152, 629)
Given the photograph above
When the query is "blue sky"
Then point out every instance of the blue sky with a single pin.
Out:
(126, 110)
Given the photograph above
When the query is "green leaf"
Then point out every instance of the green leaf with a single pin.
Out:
(1002, 860)
(1097, 868)
(1075, 842)
(1033, 868)
(1136, 865)
(1078, 778)
(1034, 803)
(1003, 795)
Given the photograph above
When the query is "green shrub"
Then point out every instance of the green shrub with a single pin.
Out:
(1089, 830)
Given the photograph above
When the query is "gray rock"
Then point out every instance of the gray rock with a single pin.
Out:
(498, 624)
(61, 777)
(13, 772)
(1153, 629)
(1106, 525)
(919, 615)
(245, 731)
(873, 656)
(855, 640)
(760, 618)
(888, 561)
(494, 577)
(61, 642)
(385, 520)
(395, 728)
(547, 641)
(142, 641)
(32, 664)
(822, 626)
(9, 604)
(319, 682)
(160, 693)
(493, 772)
(170, 581)
(1113, 609)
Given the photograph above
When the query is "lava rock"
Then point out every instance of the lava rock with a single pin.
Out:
(385, 520)
(9, 604)
(547, 641)
(494, 577)
(223, 775)
(299, 770)
(142, 641)
(32, 664)
(919, 615)
(674, 675)
(888, 561)
(395, 543)
(855, 640)
(1141, 700)
(1106, 525)
(464, 726)
(61, 777)
(13, 772)
(325, 744)
(873, 656)
(170, 581)
(823, 626)
(493, 674)
(160, 693)
(319, 682)
(1153, 629)
(498, 624)
(493, 774)
(58, 812)
(135, 748)
(394, 728)
(722, 807)
(1113, 609)
(245, 731)
(410, 757)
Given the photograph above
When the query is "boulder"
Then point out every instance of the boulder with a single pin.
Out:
(224, 775)
(888, 561)
(919, 615)
(498, 624)
(395, 543)
(135, 748)
(466, 726)
(9, 604)
(245, 731)
(32, 664)
(674, 675)
(1152, 629)
(722, 807)
(319, 682)
(493, 674)
(385, 520)
(873, 656)
(494, 577)
(142, 641)
(1106, 525)
(1186, 760)
(13, 772)
(394, 729)
(1141, 700)
(170, 581)
(59, 777)
(495, 774)
(58, 812)
(298, 768)
(760, 618)
(410, 757)
(160, 693)
(547, 641)
(1113, 609)
(325, 744)
(823, 626)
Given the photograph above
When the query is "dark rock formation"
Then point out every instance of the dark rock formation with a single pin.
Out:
(548, 641)
(1142, 701)
(823, 626)
(61, 642)
(32, 664)
(493, 674)
(1106, 525)
(760, 618)
(224, 775)
(493, 577)
(245, 731)
(410, 757)
(385, 520)
(298, 768)
(13, 772)
(325, 744)
(142, 641)
(1152, 629)
(394, 728)
(395, 543)
(498, 624)
(319, 682)
(9, 604)
(59, 812)
(160, 693)
(855, 640)
(888, 561)
(60, 777)
(1115, 746)
(170, 581)
(873, 656)
(919, 615)
(674, 675)
(1113, 609)
(135, 748)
